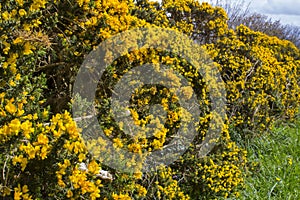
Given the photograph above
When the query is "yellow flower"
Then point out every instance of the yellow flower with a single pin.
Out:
(37, 4)
(25, 189)
(5, 191)
(5, 15)
(17, 159)
(18, 77)
(76, 53)
(35, 116)
(81, 157)
(20, 2)
(26, 197)
(156, 144)
(141, 191)
(93, 167)
(120, 197)
(22, 12)
(69, 194)
(80, 2)
(108, 131)
(18, 193)
(12, 83)
(13, 13)
(4, 65)
(78, 147)
(95, 192)
(136, 148)
(26, 27)
(10, 107)
(17, 40)
(15, 125)
(7, 47)
(61, 183)
(118, 142)
(290, 161)
(30, 150)
(21, 193)
(27, 128)
(27, 48)
(45, 113)
(36, 22)
(42, 139)
(23, 163)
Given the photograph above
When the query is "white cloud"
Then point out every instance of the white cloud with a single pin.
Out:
(286, 7)
(287, 19)
(287, 11)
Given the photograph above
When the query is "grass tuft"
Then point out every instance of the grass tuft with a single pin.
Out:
(277, 175)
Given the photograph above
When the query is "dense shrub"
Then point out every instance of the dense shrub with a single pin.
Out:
(261, 74)
(251, 63)
(43, 43)
(239, 12)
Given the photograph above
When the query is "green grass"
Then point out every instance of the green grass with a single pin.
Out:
(278, 173)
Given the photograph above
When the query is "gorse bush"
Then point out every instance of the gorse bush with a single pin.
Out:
(257, 21)
(43, 44)
(261, 75)
(251, 63)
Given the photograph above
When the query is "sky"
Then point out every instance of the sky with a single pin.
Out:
(287, 11)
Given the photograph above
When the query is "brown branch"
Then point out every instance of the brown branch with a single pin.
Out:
(50, 66)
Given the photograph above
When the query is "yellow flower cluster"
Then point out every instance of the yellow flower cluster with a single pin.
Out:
(261, 79)
(42, 152)
(167, 187)
(121, 196)
(22, 193)
(224, 174)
